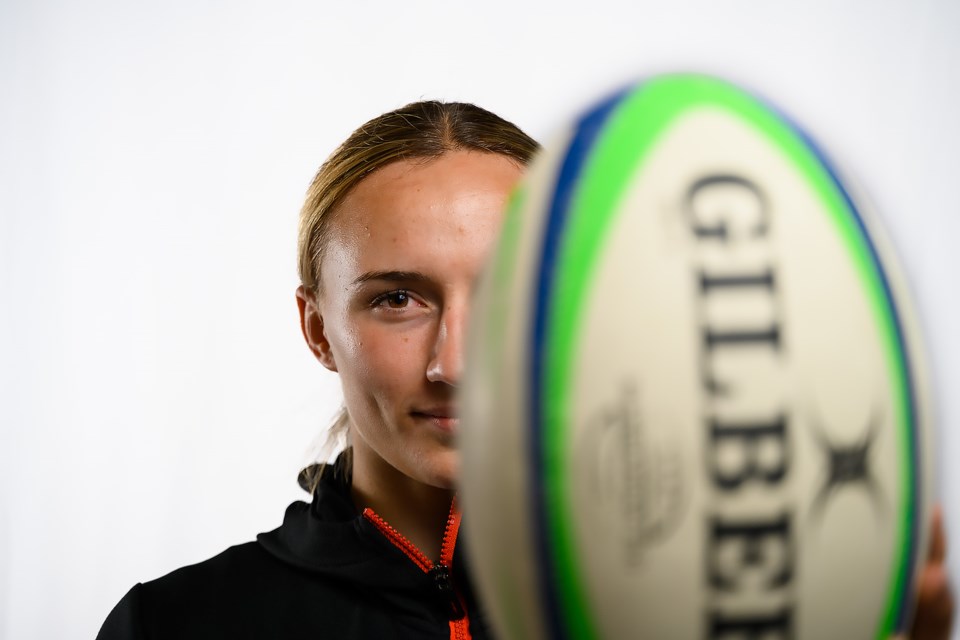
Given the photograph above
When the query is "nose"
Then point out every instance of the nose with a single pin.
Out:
(446, 361)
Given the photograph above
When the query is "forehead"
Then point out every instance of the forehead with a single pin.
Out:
(416, 213)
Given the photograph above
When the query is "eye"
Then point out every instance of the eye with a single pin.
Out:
(399, 299)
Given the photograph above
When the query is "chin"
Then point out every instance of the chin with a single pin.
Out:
(445, 472)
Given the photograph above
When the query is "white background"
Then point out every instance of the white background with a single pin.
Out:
(156, 400)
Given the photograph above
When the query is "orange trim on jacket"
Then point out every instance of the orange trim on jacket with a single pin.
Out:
(440, 571)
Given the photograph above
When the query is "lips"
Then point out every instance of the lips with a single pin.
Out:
(444, 417)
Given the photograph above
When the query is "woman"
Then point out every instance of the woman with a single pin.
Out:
(392, 236)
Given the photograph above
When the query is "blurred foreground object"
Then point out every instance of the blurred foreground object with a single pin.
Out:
(696, 403)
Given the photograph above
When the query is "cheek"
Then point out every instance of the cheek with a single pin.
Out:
(382, 360)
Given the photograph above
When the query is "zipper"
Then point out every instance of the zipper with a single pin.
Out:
(440, 572)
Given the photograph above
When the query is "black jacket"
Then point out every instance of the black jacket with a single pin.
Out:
(327, 572)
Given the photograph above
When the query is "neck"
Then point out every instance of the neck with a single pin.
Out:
(416, 510)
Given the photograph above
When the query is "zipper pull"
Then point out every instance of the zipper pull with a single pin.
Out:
(441, 578)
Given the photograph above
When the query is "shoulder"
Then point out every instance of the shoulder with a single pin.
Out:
(240, 592)
(224, 573)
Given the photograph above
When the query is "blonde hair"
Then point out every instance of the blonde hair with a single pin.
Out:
(420, 130)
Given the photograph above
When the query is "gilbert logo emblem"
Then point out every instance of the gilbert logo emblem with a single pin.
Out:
(847, 465)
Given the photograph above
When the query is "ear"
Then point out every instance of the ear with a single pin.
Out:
(311, 324)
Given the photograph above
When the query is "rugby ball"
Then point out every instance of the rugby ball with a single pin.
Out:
(696, 404)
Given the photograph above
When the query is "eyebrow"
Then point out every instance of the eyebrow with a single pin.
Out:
(390, 276)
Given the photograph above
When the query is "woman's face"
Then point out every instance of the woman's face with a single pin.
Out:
(401, 261)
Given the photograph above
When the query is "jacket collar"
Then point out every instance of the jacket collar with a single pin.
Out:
(331, 537)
